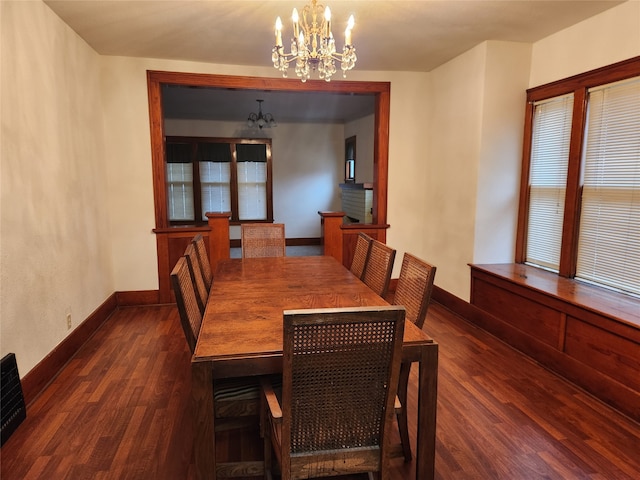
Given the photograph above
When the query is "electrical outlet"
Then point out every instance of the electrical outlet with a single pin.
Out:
(68, 321)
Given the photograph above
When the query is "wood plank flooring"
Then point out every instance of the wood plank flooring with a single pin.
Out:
(120, 410)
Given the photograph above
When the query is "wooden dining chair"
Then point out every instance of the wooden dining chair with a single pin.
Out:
(377, 272)
(361, 254)
(339, 380)
(197, 277)
(236, 400)
(187, 302)
(263, 240)
(203, 258)
(413, 292)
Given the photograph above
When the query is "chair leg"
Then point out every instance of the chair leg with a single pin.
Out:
(403, 427)
(267, 456)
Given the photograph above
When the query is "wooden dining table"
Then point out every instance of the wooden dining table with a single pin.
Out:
(241, 335)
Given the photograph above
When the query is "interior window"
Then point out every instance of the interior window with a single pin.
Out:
(218, 175)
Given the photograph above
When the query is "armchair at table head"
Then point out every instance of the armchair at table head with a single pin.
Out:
(339, 381)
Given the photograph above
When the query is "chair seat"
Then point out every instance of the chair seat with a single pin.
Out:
(236, 389)
(240, 397)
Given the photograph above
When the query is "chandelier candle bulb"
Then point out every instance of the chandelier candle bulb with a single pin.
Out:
(327, 18)
(347, 33)
(295, 18)
(278, 32)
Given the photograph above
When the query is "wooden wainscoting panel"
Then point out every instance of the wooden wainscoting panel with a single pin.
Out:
(532, 318)
(615, 356)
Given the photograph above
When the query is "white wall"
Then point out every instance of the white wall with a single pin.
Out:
(54, 241)
(610, 37)
(455, 114)
(307, 167)
(500, 153)
(364, 131)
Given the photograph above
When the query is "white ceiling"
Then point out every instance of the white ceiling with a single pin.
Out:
(390, 35)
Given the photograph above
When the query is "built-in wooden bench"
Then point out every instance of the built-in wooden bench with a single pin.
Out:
(589, 335)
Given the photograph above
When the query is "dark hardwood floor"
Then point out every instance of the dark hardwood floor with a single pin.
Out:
(120, 410)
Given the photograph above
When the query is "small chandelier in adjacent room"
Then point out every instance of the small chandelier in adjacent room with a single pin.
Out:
(313, 46)
(261, 120)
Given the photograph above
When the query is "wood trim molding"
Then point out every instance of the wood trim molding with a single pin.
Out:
(37, 379)
(137, 298)
(381, 90)
(34, 382)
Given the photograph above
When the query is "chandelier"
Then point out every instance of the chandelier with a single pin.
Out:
(313, 46)
(261, 120)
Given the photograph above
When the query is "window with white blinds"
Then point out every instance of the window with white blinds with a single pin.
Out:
(214, 163)
(551, 136)
(180, 191)
(215, 184)
(579, 214)
(252, 182)
(179, 176)
(609, 238)
(218, 175)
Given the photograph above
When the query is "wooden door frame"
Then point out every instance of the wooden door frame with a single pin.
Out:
(381, 91)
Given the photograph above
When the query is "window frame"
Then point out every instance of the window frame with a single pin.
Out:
(197, 191)
(350, 160)
(579, 86)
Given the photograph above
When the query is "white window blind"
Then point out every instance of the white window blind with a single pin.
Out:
(215, 183)
(547, 180)
(180, 191)
(252, 190)
(609, 243)
(252, 181)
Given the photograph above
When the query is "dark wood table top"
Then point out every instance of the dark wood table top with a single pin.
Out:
(242, 325)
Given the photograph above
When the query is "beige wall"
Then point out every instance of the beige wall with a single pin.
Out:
(76, 151)
(363, 129)
(610, 37)
(54, 237)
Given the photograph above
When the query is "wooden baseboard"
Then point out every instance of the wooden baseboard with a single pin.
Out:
(291, 242)
(297, 242)
(451, 302)
(139, 297)
(34, 382)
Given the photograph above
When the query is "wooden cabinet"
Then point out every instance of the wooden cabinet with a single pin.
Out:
(589, 335)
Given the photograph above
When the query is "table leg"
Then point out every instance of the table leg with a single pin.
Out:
(203, 418)
(427, 403)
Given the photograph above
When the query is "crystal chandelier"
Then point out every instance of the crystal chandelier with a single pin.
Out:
(261, 120)
(313, 46)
